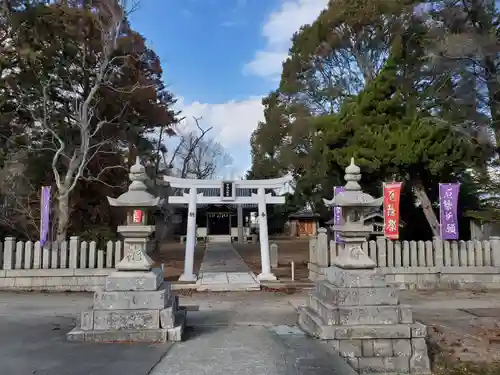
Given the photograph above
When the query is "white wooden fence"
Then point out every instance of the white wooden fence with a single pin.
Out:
(72, 254)
(421, 264)
(437, 253)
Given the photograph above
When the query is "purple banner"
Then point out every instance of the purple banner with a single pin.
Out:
(448, 201)
(44, 215)
(337, 212)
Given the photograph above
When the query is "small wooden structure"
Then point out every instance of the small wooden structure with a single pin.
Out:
(303, 223)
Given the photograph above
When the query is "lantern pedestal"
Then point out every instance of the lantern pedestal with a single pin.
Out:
(135, 305)
(135, 240)
(352, 255)
(355, 309)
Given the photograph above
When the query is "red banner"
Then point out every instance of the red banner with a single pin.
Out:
(392, 194)
(137, 217)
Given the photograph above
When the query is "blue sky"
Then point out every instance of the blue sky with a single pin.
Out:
(221, 56)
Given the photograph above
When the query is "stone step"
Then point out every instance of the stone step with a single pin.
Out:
(366, 314)
(314, 325)
(309, 321)
(144, 335)
(228, 287)
(328, 312)
(356, 296)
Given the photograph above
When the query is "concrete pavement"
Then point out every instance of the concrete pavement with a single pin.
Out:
(245, 333)
(33, 331)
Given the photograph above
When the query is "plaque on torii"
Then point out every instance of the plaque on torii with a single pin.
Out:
(227, 191)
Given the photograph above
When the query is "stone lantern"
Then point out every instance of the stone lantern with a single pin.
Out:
(135, 305)
(353, 232)
(354, 308)
(136, 233)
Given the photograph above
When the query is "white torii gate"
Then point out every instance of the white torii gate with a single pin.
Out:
(227, 196)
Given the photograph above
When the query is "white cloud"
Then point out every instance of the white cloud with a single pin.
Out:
(233, 123)
(278, 31)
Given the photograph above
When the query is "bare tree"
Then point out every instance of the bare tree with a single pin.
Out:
(76, 147)
(208, 157)
(197, 155)
(181, 156)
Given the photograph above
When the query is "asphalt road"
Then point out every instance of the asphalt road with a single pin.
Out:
(33, 341)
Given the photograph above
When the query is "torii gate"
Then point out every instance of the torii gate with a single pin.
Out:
(227, 196)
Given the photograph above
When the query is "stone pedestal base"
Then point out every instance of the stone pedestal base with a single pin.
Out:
(133, 307)
(266, 277)
(361, 317)
(188, 278)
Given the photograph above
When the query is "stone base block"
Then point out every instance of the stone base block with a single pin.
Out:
(188, 278)
(362, 314)
(158, 335)
(266, 277)
(356, 296)
(346, 278)
(110, 336)
(314, 325)
(393, 356)
(168, 315)
(175, 333)
(134, 280)
(123, 300)
(371, 349)
(126, 319)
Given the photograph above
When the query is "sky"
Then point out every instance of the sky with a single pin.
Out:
(220, 57)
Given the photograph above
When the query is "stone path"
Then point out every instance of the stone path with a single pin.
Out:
(278, 350)
(222, 269)
(248, 334)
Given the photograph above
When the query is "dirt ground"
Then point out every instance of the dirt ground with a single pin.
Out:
(172, 256)
(296, 250)
(463, 330)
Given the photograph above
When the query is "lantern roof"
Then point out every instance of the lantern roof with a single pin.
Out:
(352, 196)
(137, 194)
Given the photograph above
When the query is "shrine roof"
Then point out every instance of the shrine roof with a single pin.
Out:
(304, 214)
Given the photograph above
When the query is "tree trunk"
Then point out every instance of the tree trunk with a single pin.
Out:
(492, 82)
(427, 207)
(62, 217)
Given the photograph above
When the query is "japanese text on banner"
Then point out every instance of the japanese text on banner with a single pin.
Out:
(392, 195)
(337, 212)
(448, 202)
